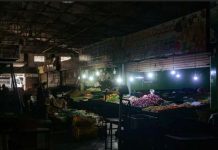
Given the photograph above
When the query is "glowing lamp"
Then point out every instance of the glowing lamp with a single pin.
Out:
(213, 72)
(195, 78)
(131, 79)
(97, 73)
(173, 72)
(178, 75)
(150, 75)
(91, 78)
(84, 76)
(119, 80)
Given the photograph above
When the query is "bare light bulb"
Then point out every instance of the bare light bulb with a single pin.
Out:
(84, 76)
(195, 77)
(173, 72)
(97, 73)
(178, 75)
(114, 71)
(91, 78)
(213, 72)
(150, 75)
(131, 79)
(119, 80)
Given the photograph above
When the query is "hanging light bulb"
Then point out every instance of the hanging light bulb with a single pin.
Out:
(150, 75)
(131, 79)
(114, 71)
(213, 72)
(97, 73)
(91, 78)
(178, 75)
(195, 77)
(172, 72)
(119, 80)
(84, 76)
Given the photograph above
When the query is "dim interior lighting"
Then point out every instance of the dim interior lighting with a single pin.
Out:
(139, 77)
(18, 64)
(97, 73)
(173, 72)
(150, 75)
(119, 80)
(84, 76)
(213, 72)
(178, 75)
(65, 58)
(114, 71)
(195, 77)
(79, 77)
(131, 79)
(91, 78)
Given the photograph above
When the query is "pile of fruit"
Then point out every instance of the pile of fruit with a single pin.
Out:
(146, 100)
(113, 98)
(88, 95)
(130, 98)
(162, 108)
(84, 124)
(93, 89)
(78, 95)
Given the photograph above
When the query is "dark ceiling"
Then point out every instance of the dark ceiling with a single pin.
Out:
(52, 26)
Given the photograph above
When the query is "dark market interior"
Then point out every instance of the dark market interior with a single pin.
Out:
(94, 75)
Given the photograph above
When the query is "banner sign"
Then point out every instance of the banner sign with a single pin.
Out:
(180, 36)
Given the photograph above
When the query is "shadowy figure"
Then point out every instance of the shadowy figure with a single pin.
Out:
(5, 89)
(42, 95)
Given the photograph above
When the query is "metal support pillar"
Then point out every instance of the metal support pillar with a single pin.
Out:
(120, 119)
(16, 92)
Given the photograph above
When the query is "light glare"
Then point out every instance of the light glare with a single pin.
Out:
(195, 77)
(91, 78)
(213, 72)
(119, 80)
(139, 77)
(84, 76)
(97, 73)
(178, 75)
(114, 71)
(150, 75)
(173, 72)
(131, 79)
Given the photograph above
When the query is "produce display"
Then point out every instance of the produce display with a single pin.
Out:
(84, 124)
(146, 100)
(113, 98)
(55, 105)
(88, 96)
(132, 99)
(93, 89)
(172, 106)
(90, 93)
(76, 93)
(149, 102)
(162, 108)
(84, 113)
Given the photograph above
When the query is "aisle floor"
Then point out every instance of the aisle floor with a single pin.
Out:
(62, 141)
